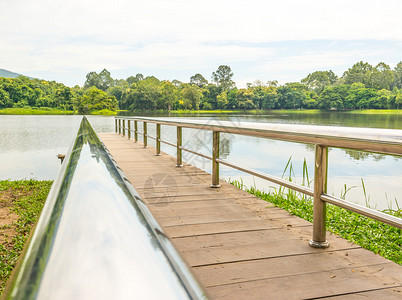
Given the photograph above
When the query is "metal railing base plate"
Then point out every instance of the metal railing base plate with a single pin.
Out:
(315, 244)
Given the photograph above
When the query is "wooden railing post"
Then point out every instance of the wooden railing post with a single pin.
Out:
(145, 135)
(215, 164)
(158, 139)
(119, 126)
(179, 144)
(129, 129)
(319, 239)
(115, 125)
(135, 131)
(124, 127)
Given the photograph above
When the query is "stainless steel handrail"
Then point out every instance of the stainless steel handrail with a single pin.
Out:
(386, 141)
(96, 239)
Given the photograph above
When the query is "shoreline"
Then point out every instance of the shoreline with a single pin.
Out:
(50, 111)
(105, 112)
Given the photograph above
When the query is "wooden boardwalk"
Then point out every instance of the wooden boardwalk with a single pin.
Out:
(241, 247)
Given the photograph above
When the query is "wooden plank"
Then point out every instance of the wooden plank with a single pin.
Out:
(314, 285)
(242, 247)
(203, 218)
(187, 230)
(394, 293)
(229, 273)
(249, 238)
(219, 248)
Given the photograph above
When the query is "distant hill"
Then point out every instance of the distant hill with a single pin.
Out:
(9, 74)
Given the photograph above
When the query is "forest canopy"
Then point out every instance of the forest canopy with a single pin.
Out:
(362, 86)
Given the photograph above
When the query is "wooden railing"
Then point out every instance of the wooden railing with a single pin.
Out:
(385, 141)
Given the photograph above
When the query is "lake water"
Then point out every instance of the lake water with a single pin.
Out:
(29, 146)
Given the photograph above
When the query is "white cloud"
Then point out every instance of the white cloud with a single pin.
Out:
(216, 20)
(185, 35)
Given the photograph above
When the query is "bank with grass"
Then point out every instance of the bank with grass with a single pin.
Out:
(21, 202)
(51, 111)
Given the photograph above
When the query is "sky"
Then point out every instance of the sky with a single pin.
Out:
(282, 40)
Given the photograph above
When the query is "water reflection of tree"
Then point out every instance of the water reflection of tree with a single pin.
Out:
(201, 142)
(225, 144)
(354, 154)
(361, 155)
(310, 147)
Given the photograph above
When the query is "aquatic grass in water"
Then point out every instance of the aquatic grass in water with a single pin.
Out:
(370, 234)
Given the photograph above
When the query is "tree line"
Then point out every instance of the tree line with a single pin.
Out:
(362, 86)
(23, 92)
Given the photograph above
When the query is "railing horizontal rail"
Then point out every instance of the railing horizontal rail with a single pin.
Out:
(196, 153)
(277, 180)
(365, 211)
(385, 141)
(151, 137)
(96, 239)
(167, 143)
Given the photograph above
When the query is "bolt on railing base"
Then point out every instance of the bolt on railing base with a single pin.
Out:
(179, 166)
(215, 185)
(315, 244)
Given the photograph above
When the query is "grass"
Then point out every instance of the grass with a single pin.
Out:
(376, 112)
(50, 111)
(104, 112)
(200, 111)
(24, 199)
(370, 234)
(34, 111)
(264, 111)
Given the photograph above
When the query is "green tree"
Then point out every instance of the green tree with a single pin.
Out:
(319, 80)
(130, 80)
(232, 102)
(4, 99)
(244, 99)
(383, 99)
(95, 99)
(92, 79)
(398, 101)
(362, 98)
(105, 80)
(270, 100)
(258, 89)
(359, 72)
(272, 83)
(198, 80)
(145, 95)
(117, 91)
(223, 77)
(381, 77)
(222, 100)
(397, 76)
(169, 96)
(102, 81)
(121, 83)
(63, 97)
(210, 94)
(333, 97)
(292, 95)
(192, 96)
